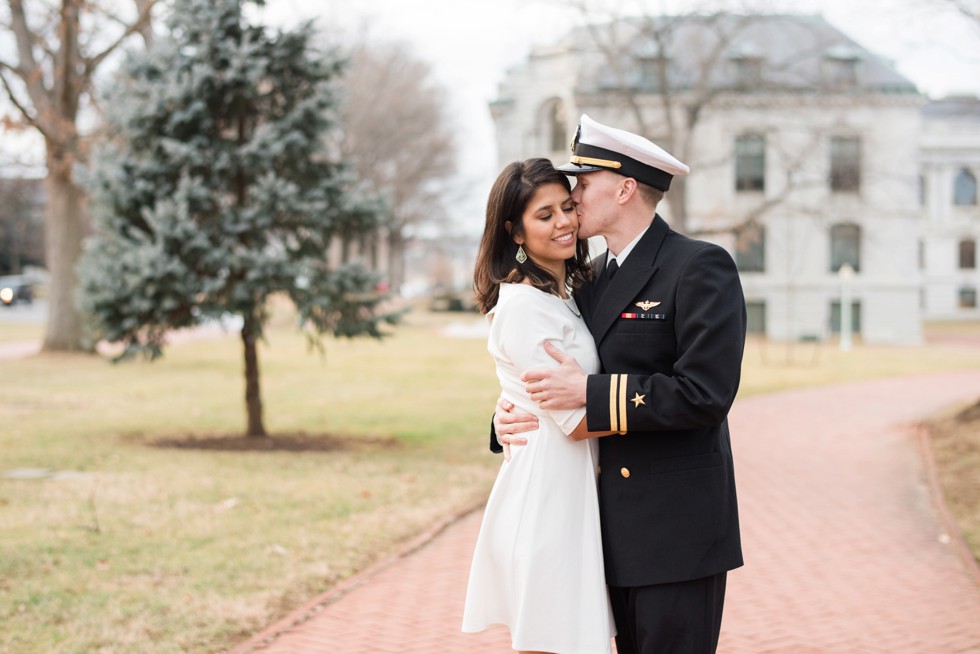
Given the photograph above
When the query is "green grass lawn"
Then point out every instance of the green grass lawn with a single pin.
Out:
(165, 549)
(161, 547)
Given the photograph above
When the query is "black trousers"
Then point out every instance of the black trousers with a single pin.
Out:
(677, 618)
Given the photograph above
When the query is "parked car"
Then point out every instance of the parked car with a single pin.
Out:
(15, 289)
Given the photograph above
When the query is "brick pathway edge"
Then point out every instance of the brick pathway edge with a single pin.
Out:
(323, 600)
(957, 540)
(747, 631)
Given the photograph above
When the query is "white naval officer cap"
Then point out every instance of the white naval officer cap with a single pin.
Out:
(600, 147)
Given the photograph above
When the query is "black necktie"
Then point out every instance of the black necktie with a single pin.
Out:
(611, 269)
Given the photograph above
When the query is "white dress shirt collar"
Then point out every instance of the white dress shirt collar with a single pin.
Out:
(625, 252)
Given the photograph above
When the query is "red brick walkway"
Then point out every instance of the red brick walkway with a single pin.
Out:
(845, 548)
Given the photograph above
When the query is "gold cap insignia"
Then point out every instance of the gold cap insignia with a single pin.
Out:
(646, 305)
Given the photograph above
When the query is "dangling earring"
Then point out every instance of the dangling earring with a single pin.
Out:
(521, 256)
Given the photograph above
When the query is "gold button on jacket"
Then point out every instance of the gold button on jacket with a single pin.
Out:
(625, 472)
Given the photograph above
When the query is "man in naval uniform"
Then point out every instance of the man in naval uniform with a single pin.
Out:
(668, 317)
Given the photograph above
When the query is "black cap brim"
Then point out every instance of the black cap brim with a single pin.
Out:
(578, 169)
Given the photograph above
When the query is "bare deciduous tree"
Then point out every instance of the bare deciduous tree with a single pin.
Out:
(671, 72)
(969, 8)
(398, 138)
(776, 99)
(58, 51)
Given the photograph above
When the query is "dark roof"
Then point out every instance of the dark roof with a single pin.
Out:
(958, 108)
(796, 53)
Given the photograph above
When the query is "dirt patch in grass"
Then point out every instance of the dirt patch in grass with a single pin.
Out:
(955, 441)
(969, 415)
(297, 442)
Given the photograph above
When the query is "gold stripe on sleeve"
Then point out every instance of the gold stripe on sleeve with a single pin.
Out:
(613, 418)
(622, 404)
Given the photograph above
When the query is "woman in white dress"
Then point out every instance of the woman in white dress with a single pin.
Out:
(537, 566)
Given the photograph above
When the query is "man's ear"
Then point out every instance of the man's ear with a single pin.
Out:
(627, 187)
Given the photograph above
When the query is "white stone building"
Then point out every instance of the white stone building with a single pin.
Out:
(803, 148)
(950, 214)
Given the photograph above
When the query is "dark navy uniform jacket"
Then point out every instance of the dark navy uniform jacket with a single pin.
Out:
(670, 331)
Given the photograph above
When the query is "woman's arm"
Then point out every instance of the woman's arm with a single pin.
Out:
(520, 330)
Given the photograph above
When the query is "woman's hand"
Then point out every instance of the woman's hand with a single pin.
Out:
(507, 422)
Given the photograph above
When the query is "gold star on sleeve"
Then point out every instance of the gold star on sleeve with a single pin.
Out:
(638, 400)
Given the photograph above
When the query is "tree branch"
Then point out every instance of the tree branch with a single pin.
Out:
(27, 69)
(91, 63)
(970, 11)
(13, 100)
(108, 15)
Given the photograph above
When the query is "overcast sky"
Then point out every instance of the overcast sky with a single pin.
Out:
(471, 43)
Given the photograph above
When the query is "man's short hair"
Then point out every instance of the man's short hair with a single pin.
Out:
(650, 195)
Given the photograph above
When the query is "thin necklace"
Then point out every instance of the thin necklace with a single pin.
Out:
(571, 307)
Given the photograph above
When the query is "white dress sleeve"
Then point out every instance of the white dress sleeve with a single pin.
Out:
(523, 325)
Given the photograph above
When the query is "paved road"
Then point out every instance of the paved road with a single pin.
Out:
(845, 548)
(36, 313)
(22, 314)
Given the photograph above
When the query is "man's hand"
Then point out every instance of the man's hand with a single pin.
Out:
(507, 422)
(563, 387)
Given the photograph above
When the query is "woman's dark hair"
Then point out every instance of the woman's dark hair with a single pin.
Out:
(496, 261)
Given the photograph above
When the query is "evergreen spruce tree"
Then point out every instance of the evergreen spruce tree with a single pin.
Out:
(216, 192)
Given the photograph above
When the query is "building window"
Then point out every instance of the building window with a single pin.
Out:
(835, 317)
(845, 247)
(968, 298)
(651, 70)
(748, 71)
(556, 126)
(755, 317)
(968, 254)
(750, 249)
(842, 73)
(965, 189)
(845, 164)
(840, 68)
(922, 254)
(750, 163)
(922, 190)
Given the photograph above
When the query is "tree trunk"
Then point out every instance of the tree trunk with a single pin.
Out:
(253, 398)
(146, 27)
(55, 79)
(66, 224)
(369, 250)
(396, 262)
